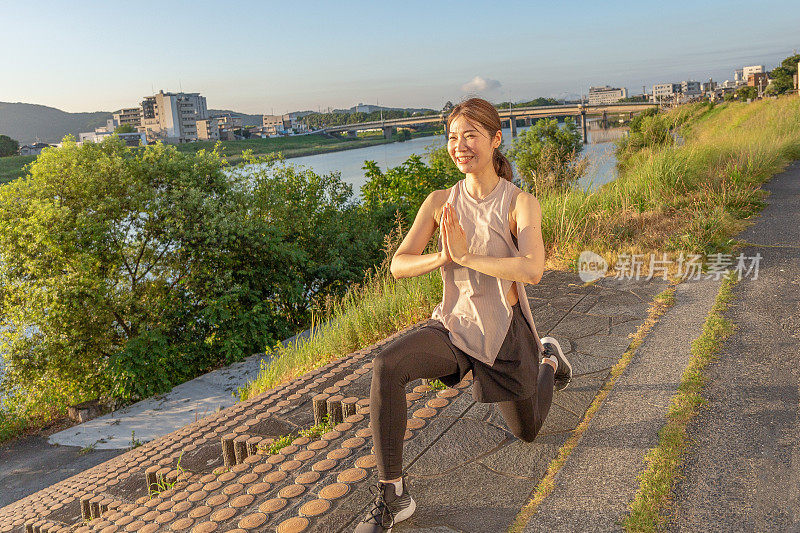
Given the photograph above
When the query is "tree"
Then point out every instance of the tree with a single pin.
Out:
(8, 146)
(125, 128)
(783, 76)
(743, 93)
(647, 130)
(402, 188)
(127, 271)
(547, 155)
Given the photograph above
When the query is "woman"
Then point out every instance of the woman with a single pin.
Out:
(490, 246)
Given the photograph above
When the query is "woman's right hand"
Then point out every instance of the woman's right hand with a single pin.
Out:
(444, 253)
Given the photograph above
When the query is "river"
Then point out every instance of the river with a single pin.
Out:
(599, 150)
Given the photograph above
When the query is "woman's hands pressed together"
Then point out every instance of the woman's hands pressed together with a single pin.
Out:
(455, 240)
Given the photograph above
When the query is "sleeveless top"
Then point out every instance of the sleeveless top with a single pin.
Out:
(474, 308)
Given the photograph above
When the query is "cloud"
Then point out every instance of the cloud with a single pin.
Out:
(479, 85)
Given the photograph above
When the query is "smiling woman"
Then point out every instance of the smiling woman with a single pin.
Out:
(490, 245)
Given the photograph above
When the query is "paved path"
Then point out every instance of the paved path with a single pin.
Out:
(742, 473)
(593, 488)
(455, 447)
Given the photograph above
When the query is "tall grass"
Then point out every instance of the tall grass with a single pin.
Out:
(689, 198)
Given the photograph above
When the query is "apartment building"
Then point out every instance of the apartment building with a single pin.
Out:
(606, 95)
(207, 129)
(690, 88)
(131, 115)
(282, 124)
(665, 90)
(172, 117)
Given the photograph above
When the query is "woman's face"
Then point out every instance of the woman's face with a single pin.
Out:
(471, 147)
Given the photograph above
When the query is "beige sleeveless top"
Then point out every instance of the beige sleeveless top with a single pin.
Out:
(474, 308)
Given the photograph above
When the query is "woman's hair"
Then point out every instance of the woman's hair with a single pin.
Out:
(480, 111)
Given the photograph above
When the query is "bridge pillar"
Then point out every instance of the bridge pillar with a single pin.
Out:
(605, 119)
(387, 132)
(583, 126)
(513, 123)
(528, 121)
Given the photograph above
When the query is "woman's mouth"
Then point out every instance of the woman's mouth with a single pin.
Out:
(464, 159)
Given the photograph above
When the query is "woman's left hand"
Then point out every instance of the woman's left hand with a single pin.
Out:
(454, 237)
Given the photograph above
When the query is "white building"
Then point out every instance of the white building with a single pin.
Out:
(606, 95)
(172, 117)
(137, 138)
(665, 90)
(752, 69)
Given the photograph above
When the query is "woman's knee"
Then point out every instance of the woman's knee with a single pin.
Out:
(386, 364)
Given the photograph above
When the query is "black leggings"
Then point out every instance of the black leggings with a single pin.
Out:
(424, 353)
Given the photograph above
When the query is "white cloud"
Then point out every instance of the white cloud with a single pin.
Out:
(479, 85)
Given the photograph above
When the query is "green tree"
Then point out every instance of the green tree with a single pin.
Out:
(547, 157)
(8, 146)
(125, 272)
(125, 128)
(403, 187)
(783, 76)
(743, 93)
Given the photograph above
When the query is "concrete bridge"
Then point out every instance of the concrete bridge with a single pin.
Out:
(509, 117)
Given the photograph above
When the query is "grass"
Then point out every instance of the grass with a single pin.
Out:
(647, 511)
(12, 167)
(689, 199)
(167, 482)
(313, 432)
(660, 304)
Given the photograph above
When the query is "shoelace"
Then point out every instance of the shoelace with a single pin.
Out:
(378, 507)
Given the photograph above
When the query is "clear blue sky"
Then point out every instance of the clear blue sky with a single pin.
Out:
(259, 57)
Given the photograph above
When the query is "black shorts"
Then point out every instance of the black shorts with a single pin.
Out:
(515, 371)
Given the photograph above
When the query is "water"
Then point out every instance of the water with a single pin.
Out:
(599, 150)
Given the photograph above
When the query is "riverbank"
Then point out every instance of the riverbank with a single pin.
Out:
(669, 202)
(295, 146)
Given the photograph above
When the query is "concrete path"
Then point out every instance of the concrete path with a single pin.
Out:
(742, 472)
(593, 488)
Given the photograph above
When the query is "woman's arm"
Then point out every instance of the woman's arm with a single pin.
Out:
(528, 268)
(407, 261)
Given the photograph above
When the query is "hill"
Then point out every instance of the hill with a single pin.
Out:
(29, 122)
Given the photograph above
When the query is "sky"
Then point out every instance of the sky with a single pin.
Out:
(278, 56)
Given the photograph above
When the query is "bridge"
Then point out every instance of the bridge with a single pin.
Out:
(507, 116)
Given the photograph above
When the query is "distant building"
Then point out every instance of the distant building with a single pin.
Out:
(606, 95)
(690, 88)
(172, 117)
(282, 124)
(132, 116)
(32, 149)
(207, 129)
(757, 79)
(365, 108)
(137, 138)
(665, 90)
(738, 76)
(752, 69)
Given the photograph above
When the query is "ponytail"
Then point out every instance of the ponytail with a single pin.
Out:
(502, 166)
